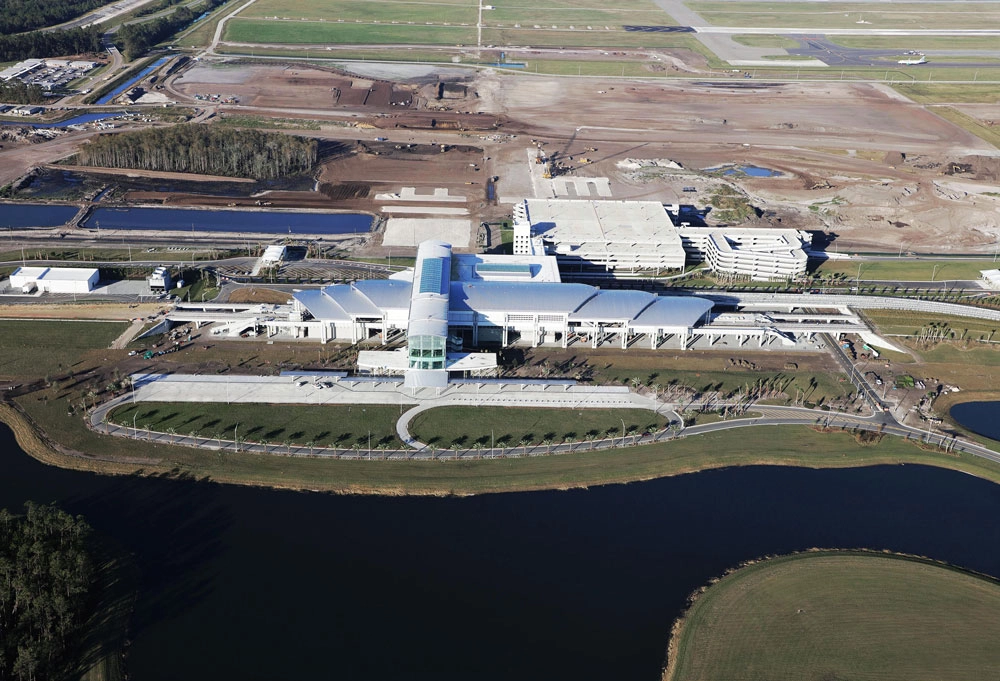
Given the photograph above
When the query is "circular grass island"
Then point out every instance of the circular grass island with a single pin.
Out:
(824, 615)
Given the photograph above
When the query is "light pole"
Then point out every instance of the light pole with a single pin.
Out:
(493, 445)
(623, 432)
(135, 429)
(934, 272)
(236, 437)
(369, 445)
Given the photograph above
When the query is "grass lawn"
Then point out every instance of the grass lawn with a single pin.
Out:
(841, 615)
(907, 270)
(817, 386)
(468, 426)
(818, 15)
(300, 424)
(581, 37)
(901, 322)
(966, 93)
(33, 349)
(349, 33)
(386, 11)
(915, 42)
(760, 40)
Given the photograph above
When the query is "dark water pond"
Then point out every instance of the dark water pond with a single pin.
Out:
(979, 417)
(19, 215)
(257, 222)
(256, 584)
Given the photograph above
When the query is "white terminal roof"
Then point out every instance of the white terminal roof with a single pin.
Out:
(485, 267)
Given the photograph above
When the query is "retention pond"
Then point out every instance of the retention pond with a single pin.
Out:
(257, 222)
(258, 584)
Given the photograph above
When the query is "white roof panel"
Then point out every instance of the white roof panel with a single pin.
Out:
(519, 297)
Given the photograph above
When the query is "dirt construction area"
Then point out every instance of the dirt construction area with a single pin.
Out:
(285, 87)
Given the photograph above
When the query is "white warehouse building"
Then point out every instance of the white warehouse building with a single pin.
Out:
(55, 279)
(637, 235)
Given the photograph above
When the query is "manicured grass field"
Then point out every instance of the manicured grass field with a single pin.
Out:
(468, 426)
(386, 11)
(820, 15)
(33, 349)
(842, 615)
(915, 42)
(907, 270)
(323, 426)
(760, 40)
(311, 32)
(578, 12)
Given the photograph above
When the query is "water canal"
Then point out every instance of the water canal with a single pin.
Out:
(259, 584)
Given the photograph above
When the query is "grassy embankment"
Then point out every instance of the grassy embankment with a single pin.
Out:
(906, 270)
(507, 426)
(311, 425)
(840, 615)
(968, 123)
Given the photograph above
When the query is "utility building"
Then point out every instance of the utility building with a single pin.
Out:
(54, 279)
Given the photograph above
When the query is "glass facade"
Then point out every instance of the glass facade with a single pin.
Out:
(427, 352)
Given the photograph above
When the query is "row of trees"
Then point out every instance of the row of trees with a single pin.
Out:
(136, 39)
(49, 43)
(27, 15)
(45, 577)
(207, 150)
(14, 91)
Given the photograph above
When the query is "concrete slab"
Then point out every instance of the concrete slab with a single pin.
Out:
(412, 231)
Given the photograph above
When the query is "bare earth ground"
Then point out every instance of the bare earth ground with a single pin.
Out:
(858, 160)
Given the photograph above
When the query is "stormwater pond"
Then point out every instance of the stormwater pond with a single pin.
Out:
(257, 222)
(257, 584)
(979, 417)
(22, 215)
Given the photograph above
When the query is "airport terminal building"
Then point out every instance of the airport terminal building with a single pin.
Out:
(450, 301)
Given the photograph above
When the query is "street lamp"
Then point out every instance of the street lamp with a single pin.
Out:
(135, 429)
(623, 432)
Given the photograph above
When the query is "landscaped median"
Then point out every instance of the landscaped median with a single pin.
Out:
(840, 615)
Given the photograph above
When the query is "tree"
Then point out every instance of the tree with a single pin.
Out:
(45, 577)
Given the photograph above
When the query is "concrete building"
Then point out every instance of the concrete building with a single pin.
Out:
(54, 279)
(614, 235)
(455, 301)
(641, 235)
(760, 254)
(160, 280)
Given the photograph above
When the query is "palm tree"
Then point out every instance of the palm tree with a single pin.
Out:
(548, 445)
(218, 437)
(172, 432)
(310, 445)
